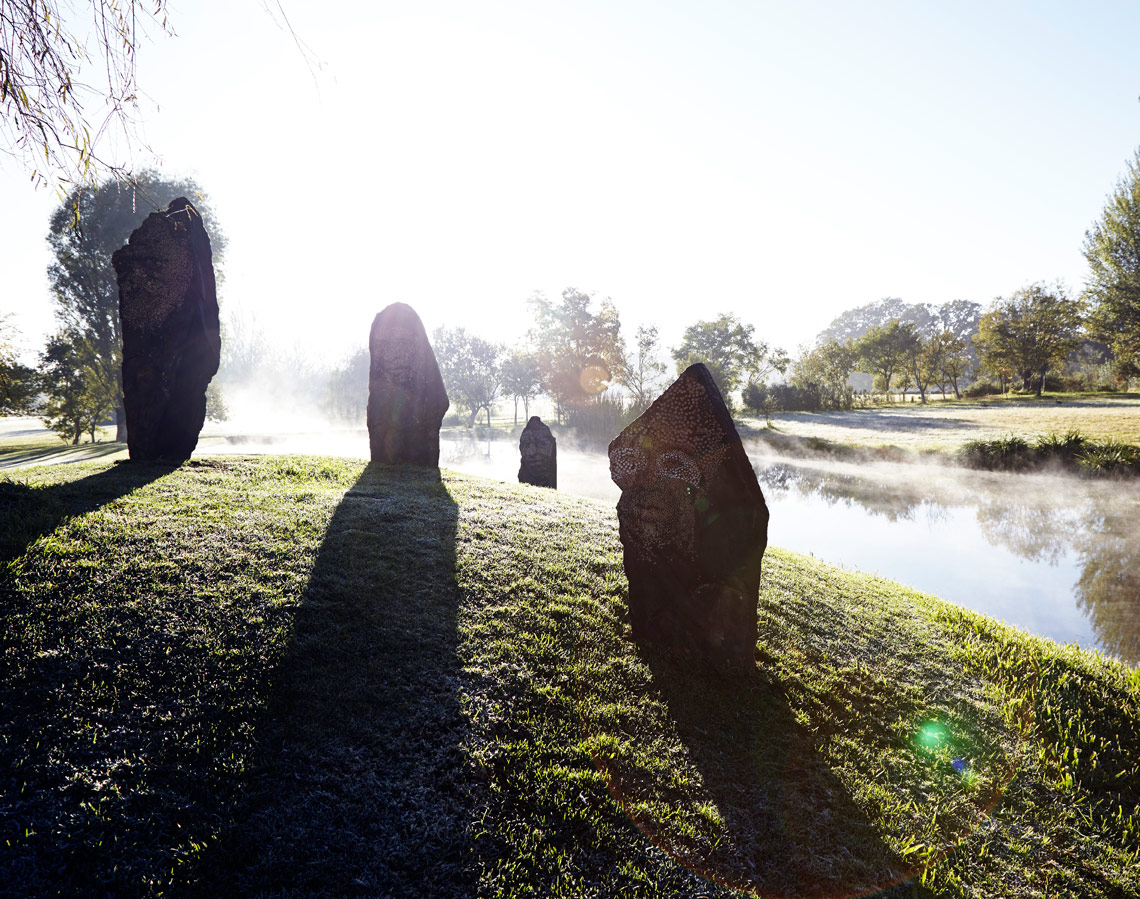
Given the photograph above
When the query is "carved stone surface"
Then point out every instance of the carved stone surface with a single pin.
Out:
(406, 396)
(168, 309)
(539, 452)
(693, 523)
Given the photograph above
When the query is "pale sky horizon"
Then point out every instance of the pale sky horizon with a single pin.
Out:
(781, 161)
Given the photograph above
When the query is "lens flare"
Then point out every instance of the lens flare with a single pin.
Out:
(594, 379)
(932, 736)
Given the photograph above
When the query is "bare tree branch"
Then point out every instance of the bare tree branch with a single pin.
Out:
(52, 122)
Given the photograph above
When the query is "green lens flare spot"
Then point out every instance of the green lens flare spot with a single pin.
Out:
(932, 737)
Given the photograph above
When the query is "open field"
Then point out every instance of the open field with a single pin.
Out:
(302, 676)
(945, 426)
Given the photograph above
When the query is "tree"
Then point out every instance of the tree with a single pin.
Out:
(62, 90)
(884, 350)
(824, 371)
(216, 408)
(522, 379)
(83, 283)
(959, 318)
(924, 356)
(19, 383)
(245, 347)
(954, 360)
(1029, 332)
(854, 323)
(730, 351)
(1112, 249)
(644, 371)
(929, 358)
(471, 369)
(579, 351)
(78, 397)
(348, 387)
(101, 387)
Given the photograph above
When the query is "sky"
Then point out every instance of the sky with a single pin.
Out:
(782, 161)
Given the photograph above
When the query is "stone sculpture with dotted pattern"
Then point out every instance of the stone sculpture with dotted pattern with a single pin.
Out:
(538, 451)
(406, 396)
(168, 311)
(693, 524)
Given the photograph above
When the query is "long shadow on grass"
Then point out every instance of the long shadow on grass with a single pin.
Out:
(877, 419)
(791, 826)
(17, 458)
(28, 513)
(360, 787)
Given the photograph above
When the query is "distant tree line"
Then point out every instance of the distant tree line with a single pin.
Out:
(1020, 342)
(1038, 337)
(876, 352)
(959, 347)
(574, 354)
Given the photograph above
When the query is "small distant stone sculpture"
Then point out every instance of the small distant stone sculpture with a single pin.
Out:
(539, 451)
(406, 396)
(693, 524)
(168, 309)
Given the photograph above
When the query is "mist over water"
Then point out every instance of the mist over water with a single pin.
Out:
(1055, 555)
(581, 472)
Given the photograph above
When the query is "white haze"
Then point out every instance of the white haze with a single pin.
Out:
(261, 423)
(265, 421)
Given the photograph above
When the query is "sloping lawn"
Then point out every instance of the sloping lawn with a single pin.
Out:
(299, 676)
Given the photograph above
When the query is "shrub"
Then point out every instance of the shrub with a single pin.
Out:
(1061, 447)
(600, 421)
(1003, 454)
(1071, 449)
(764, 398)
(1110, 457)
(981, 388)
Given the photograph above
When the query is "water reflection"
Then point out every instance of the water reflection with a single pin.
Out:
(1070, 545)
(1109, 588)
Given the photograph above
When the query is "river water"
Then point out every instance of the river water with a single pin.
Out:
(1055, 555)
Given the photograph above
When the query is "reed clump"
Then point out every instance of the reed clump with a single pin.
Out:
(1072, 451)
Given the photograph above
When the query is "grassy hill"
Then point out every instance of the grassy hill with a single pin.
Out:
(298, 676)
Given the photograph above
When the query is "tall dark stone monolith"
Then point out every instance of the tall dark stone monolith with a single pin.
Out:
(168, 309)
(693, 524)
(406, 396)
(539, 452)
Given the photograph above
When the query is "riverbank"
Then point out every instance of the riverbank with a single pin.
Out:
(310, 676)
(995, 432)
(945, 426)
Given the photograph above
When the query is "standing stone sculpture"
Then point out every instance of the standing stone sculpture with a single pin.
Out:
(539, 451)
(693, 524)
(406, 396)
(168, 309)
